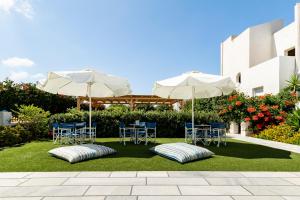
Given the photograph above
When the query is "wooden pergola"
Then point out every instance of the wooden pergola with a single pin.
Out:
(131, 100)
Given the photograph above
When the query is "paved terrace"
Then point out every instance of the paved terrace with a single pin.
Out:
(150, 185)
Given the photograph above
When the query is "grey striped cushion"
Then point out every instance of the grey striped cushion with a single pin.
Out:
(182, 152)
(81, 152)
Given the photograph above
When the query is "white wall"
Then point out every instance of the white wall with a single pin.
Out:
(253, 46)
(285, 39)
(262, 45)
(235, 54)
(271, 74)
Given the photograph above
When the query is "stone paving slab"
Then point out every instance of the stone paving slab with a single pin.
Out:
(93, 174)
(274, 190)
(213, 190)
(11, 181)
(152, 174)
(52, 174)
(75, 198)
(106, 181)
(109, 190)
(42, 191)
(146, 185)
(155, 190)
(248, 181)
(295, 181)
(184, 198)
(258, 198)
(176, 181)
(43, 181)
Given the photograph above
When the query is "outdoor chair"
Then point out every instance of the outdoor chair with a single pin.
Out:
(188, 132)
(80, 132)
(146, 132)
(150, 132)
(218, 132)
(55, 132)
(91, 136)
(66, 131)
(140, 131)
(125, 132)
(201, 133)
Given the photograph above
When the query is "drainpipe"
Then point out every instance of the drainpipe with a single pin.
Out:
(297, 39)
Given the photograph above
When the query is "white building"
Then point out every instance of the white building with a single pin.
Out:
(263, 57)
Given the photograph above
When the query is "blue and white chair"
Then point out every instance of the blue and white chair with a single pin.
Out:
(126, 132)
(55, 132)
(66, 131)
(150, 132)
(80, 132)
(188, 129)
(218, 132)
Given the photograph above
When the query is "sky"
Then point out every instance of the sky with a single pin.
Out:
(141, 40)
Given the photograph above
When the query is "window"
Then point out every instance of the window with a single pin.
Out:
(238, 78)
(290, 52)
(258, 91)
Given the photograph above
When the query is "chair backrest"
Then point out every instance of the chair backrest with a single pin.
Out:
(55, 125)
(142, 124)
(122, 125)
(151, 125)
(67, 125)
(188, 125)
(80, 124)
(219, 125)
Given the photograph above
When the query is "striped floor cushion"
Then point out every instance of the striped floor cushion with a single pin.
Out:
(82, 152)
(181, 152)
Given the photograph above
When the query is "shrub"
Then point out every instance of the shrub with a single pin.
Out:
(293, 119)
(10, 136)
(118, 108)
(34, 119)
(169, 124)
(280, 133)
(261, 111)
(13, 95)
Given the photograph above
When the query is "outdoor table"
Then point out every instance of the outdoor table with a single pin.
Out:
(201, 127)
(136, 127)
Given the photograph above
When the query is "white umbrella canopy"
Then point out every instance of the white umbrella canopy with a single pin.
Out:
(76, 83)
(192, 85)
(85, 83)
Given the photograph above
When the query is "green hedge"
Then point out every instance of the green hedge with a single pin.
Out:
(169, 123)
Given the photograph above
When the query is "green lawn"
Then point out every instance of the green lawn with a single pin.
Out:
(236, 156)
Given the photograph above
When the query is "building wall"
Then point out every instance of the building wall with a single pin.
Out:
(262, 45)
(271, 75)
(285, 39)
(235, 54)
(258, 54)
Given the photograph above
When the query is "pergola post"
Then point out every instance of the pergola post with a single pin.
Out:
(78, 103)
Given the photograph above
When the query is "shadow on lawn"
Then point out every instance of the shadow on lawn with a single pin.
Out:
(249, 151)
(233, 149)
(130, 150)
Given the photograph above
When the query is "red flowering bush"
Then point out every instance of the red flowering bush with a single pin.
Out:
(260, 111)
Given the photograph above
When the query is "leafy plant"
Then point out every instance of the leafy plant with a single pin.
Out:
(13, 95)
(34, 119)
(120, 108)
(280, 133)
(293, 83)
(293, 119)
(10, 136)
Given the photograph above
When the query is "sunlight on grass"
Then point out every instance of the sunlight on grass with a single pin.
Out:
(237, 156)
